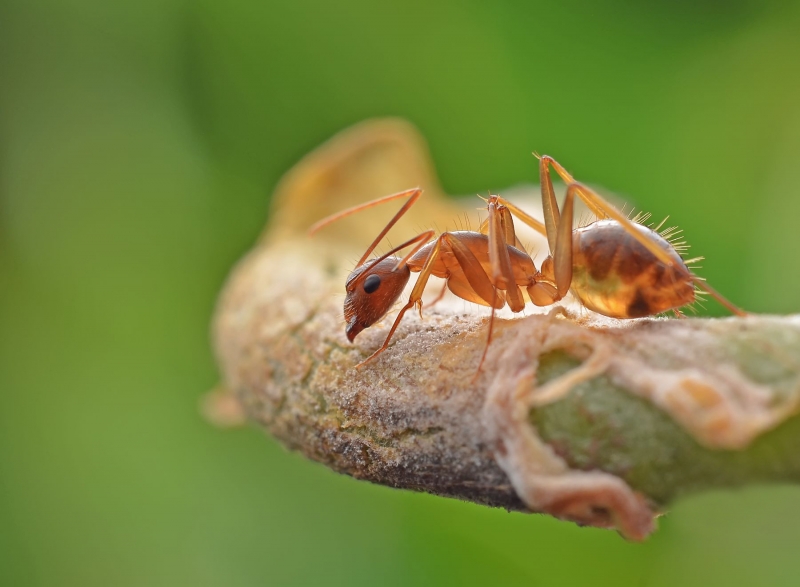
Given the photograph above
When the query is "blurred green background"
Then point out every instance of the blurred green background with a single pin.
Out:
(139, 143)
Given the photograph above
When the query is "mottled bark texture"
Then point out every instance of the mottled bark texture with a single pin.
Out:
(599, 421)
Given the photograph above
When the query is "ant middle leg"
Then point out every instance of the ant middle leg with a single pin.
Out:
(501, 235)
(541, 293)
(561, 249)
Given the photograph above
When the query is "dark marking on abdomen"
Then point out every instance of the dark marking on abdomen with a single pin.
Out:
(639, 307)
(638, 260)
(599, 254)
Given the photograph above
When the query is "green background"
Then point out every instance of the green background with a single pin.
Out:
(139, 143)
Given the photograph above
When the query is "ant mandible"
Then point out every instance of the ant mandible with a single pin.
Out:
(613, 266)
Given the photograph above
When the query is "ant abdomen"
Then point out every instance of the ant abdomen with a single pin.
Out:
(615, 275)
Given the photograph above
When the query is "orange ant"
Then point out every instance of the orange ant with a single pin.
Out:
(614, 266)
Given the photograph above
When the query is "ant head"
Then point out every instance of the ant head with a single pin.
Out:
(372, 289)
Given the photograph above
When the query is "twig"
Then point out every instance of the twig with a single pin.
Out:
(588, 419)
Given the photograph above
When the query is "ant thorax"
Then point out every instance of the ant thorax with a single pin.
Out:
(615, 275)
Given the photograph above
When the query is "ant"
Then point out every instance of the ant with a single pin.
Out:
(614, 266)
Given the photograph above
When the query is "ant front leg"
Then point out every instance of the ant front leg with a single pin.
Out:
(473, 281)
(464, 257)
(501, 235)
(414, 299)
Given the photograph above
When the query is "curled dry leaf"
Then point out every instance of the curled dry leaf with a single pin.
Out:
(594, 420)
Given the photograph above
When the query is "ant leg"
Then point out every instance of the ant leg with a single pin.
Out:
(521, 215)
(501, 234)
(589, 196)
(701, 283)
(595, 200)
(562, 255)
(412, 195)
(506, 221)
(596, 203)
(439, 297)
(545, 162)
(421, 240)
(549, 204)
(552, 216)
(477, 279)
(505, 225)
(488, 338)
(414, 299)
(541, 293)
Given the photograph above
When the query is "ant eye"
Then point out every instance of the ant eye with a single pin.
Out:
(372, 283)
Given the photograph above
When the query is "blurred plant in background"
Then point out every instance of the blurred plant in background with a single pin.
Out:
(139, 143)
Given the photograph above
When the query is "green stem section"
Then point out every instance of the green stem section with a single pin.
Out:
(601, 426)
